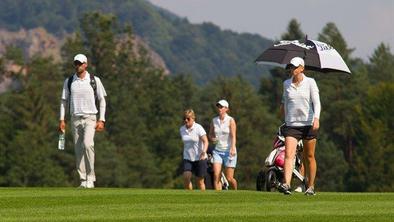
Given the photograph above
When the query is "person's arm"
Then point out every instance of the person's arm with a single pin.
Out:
(282, 110)
(316, 105)
(204, 140)
(100, 123)
(282, 113)
(212, 135)
(63, 105)
(62, 122)
(233, 135)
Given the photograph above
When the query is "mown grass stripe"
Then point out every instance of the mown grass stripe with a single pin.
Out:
(112, 204)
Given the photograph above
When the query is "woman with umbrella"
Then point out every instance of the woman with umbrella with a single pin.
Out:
(301, 108)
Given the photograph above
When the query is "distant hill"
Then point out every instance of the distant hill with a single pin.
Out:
(203, 50)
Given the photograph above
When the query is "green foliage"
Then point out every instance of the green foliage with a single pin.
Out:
(331, 164)
(271, 88)
(381, 65)
(15, 54)
(374, 160)
(29, 147)
(203, 50)
(294, 31)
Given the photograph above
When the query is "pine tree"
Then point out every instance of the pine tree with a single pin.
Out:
(294, 31)
(31, 152)
(381, 65)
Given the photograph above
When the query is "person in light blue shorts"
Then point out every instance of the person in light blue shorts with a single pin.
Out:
(222, 131)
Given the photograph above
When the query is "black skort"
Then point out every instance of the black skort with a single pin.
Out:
(198, 168)
(299, 132)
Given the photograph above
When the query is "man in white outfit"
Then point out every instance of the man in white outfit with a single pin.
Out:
(79, 94)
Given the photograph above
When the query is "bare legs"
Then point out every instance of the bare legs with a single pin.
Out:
(217, 169)
(290, 151)
(228, 172)
(200, 183)
(310, 161)
(187, 181)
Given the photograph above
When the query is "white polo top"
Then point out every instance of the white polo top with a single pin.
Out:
(82, 96)
(302, 102)
(222, 133)
(192, 144)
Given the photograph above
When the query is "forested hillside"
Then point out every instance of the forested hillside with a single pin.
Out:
(203, 51)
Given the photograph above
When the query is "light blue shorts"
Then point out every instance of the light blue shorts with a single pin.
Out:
(224, 158)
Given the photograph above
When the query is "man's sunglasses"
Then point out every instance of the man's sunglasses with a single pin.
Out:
(77, 63)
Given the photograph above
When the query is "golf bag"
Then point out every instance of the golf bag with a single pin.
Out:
(271, 175)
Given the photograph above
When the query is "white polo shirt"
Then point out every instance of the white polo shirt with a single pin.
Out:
(82, 101)
(222, 133)
(302, 102)
(192, 144)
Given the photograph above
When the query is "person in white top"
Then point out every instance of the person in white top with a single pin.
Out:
(195, 146)
(222, 131)
(301, 108)
(80, 95)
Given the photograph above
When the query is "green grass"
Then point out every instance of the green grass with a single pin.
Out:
(104, 204)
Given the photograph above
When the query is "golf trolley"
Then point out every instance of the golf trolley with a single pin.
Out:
(271, 176)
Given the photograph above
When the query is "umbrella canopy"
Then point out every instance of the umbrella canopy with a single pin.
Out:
(318, 56)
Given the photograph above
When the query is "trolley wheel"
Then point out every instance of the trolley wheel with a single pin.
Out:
(260, 179)
(271, 180)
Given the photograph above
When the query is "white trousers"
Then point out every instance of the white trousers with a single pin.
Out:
(83, 130)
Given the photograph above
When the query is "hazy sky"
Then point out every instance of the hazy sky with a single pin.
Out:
(363, 23)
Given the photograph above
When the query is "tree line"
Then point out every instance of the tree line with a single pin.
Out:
(141, 146)
(203, 50)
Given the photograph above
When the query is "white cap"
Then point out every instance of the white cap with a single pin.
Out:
(223, 103)
(297, 61)
(81, 58)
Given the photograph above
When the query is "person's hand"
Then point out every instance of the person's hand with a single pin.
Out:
(203, 156)
(100, 126)
(233, 151)
(62, 126)
(315, 125)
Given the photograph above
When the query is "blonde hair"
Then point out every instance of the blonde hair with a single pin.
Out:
(189, 113)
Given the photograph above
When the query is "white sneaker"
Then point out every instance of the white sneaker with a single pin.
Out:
(310, 191)
(89, 184)
(83, 184)
(298, 189)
